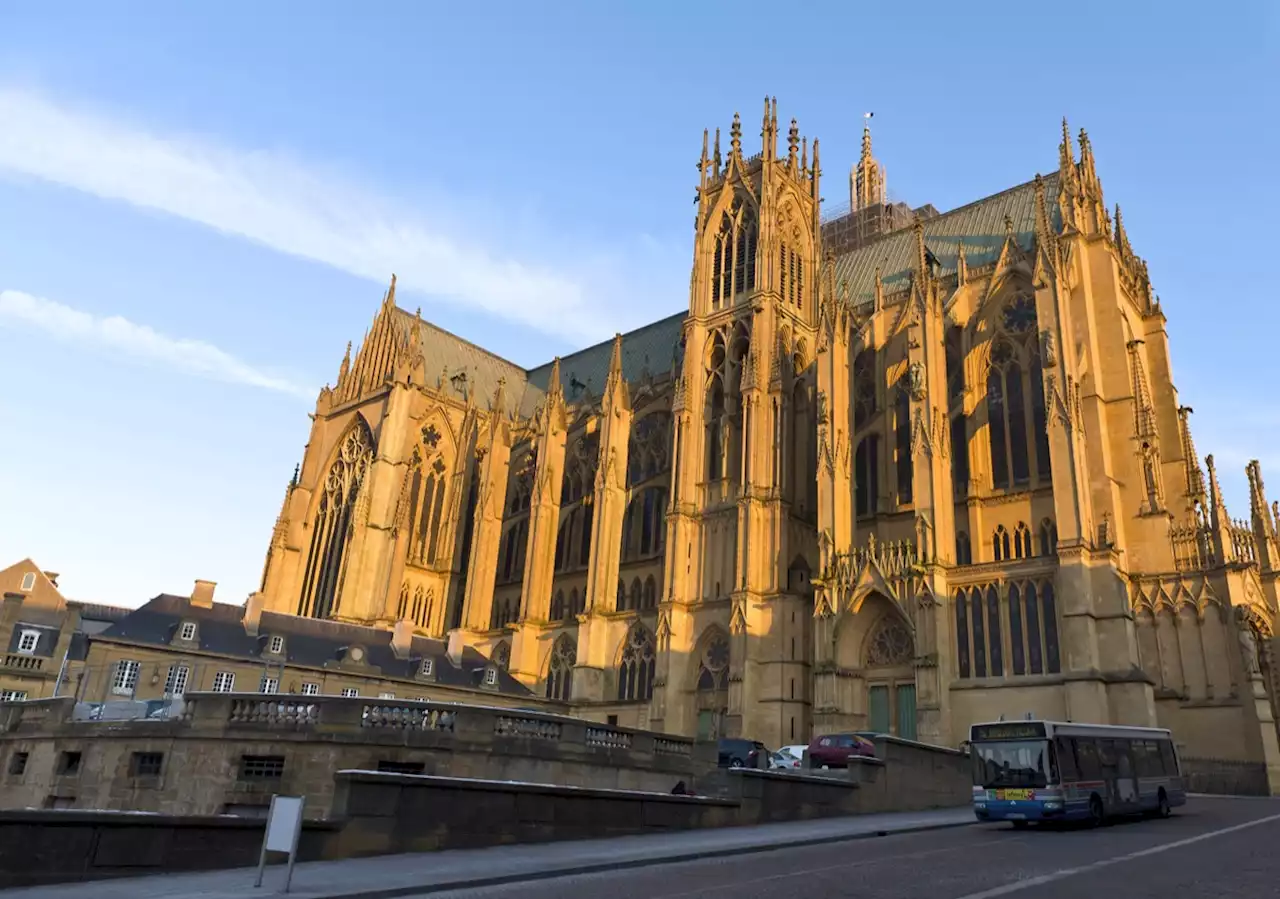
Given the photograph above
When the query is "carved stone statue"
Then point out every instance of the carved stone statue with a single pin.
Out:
(1104, 530)
(1049, 349)
(915, 380)
(1249, 649)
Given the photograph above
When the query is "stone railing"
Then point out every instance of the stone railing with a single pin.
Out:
(21, 662)
(1243, 546)
(1192, 547)
(277, 712)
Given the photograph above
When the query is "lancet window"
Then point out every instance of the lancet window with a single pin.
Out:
(733, 265)
(515, 537)
(427, 484)
(864, 389)
(639, 663)
(564, 656)
(791, 281)
(866, 471)
(959, 421)
(643, 525)
(902, 445)
(1048, 537)
(964, 549)
(649, 449)
(333, 524)
(1015, 400)
(1009, 630)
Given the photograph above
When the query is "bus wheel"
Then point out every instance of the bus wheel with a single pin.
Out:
(1096, 814)
(1163, 809)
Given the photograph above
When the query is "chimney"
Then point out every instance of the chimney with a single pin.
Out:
(52, 576)
(252, 612)
(402, 638)
(202, 595)
(456, 646)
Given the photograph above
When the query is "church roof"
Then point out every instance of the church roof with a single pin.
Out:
(980, 225)
(650, 349)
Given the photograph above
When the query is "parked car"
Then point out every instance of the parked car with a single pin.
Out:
(739, 753)
(787, 757)
(834, 750)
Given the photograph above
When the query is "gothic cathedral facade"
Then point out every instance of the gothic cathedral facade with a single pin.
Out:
(893, 470)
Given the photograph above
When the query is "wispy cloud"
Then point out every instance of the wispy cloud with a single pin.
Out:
(296, 209)
(140, 342)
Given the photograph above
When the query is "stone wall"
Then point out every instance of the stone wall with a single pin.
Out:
(1225, 777)
(56, 847)
(227, 753)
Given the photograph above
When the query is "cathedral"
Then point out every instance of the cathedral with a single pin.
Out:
(894, 469)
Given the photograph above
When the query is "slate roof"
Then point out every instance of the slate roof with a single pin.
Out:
(980, 225)
(308, 642)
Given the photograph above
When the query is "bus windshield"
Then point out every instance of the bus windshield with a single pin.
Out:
(1020, 763)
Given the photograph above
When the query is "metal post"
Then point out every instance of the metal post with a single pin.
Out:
(293, 852)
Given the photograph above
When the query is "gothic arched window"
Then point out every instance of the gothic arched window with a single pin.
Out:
(333, 525)
(650, 594)
(866, 472)
(864, 388)
(514, 544)
(649, 448)
(560, 669)
(1022, 546)
(962, 634)
(1015, 399)
(637, 594)
(902, 445)
(713, 667)
(1033, 628)
(644, 524)
(557, 606)
(964, 551)
(639, 662)
(575, 602)
(1048, 538)
(733, 264)
(1000, 550)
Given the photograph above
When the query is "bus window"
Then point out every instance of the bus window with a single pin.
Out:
(1065, 750)
(1107, 753)
(1166, 756)
(1087, 758)
(1150, 764)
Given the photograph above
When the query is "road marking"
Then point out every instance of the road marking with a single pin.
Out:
(700, 891)
(1107, 862)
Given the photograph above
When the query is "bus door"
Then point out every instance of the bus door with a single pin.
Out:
(1120, 774)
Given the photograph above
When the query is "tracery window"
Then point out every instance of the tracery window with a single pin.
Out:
(333, 525)
(1027, 612)
(504, 612)
(713, 667)
(1015, 400)
(791, 276)
(514, 543)
(564, 654)
(889, 644)
(959, 421)
(866, 472)
(733, 264)
(558, 606)
(644, 524)
(639, 663)
(902, 445)
(582, 457)
(864, 388)
(649, 449)
(1000, 545)
(964, 550)
(1033, 628)
(427, 483)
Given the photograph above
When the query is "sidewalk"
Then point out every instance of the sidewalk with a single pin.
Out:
(407, 875)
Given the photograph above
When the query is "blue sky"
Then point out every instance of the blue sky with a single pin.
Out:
(201, 204)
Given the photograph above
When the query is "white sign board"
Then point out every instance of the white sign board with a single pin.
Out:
(283, 823)
(284, 826)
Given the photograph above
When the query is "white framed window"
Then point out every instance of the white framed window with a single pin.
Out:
(428, 667)
(269, 685)
(276, 645)
(175, 683)
(27, 641)
(350, 692)
(491, 677)
(125, 680)
(310, 689)
(224, 682)
(13, 695)
(386, 696)
(188, 631)
(28, 581)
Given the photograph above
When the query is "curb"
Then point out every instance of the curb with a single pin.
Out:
(572, 870)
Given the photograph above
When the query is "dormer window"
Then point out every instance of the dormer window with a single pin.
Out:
(428, 668)
(275, 645)
(28, 582)
(491, 677)
(187, 632)
(27, 642)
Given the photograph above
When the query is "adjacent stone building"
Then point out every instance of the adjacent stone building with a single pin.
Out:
(879, 475)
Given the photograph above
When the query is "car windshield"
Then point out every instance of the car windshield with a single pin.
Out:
(1022, 763)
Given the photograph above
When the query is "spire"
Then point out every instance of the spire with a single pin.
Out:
(1258, 500)
(554, 386)
(1067, 153)
(869, 175)
(390, 298)
(1217, 508)
(879, 301)
(1122, 237)
(962, 267)
(766, 130)
(345, 366)
(716, 157)
(1044, 230)
(793, 145)
(1088, 170)
(1195, 489)
(704, 161)
(922, 252)
(815, 178)
(615, 385)
(297, 470)
(804, 156)
(499, 399)
(735, 136)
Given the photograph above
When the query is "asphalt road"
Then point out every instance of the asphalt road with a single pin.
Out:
(1212, 847)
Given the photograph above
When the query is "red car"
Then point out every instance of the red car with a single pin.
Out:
(833, 750)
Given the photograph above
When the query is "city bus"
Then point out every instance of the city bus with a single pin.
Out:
(1025, 771)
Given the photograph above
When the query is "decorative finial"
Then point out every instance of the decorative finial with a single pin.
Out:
(735, 135)
(717, 158)
(391, 291)
(1008, 226)
(297, 470)
(793, 143)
